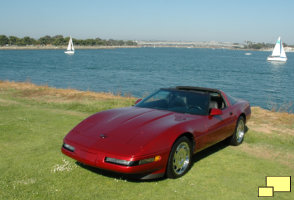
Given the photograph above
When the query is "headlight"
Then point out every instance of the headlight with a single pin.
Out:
(132, 163)
(69, 147)
(145, 161)
(149, 160)
(119, 161)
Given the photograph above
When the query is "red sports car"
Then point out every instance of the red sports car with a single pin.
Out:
(159, 135)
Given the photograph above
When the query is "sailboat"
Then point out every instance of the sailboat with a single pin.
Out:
(70, 48)
(278, 52)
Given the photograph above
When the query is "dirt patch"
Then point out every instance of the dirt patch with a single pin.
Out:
(271, 122)
(30, 90)
(266, 152)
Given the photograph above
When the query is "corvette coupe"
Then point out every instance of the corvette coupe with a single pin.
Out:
(159, 134)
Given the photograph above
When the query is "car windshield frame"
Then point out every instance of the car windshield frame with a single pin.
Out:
(180, 101)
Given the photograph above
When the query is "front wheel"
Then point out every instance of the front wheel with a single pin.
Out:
(180, 157)
(238, 136)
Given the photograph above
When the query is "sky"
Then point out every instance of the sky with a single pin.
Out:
(168, 20)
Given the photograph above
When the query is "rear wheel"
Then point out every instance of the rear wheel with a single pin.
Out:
(180, 157)
(238, 136)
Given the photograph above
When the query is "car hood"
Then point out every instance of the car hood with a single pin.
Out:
(124, 131)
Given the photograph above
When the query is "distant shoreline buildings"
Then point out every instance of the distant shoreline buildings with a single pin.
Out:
(211, 44)
(192, 44)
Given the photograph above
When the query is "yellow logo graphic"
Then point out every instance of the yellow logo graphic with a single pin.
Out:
(275, 184)
(264, 191)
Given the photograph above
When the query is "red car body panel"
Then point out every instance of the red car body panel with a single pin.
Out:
(135, 133)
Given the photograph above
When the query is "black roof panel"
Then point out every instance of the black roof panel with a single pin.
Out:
(202, 89)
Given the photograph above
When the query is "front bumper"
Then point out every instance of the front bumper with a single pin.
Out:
(96, 158)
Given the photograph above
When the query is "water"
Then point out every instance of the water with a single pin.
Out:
(142, 70)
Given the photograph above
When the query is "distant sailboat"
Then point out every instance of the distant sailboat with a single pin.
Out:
(278, 52)
(70, 48)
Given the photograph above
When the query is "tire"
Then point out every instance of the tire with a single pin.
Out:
(180, 158)
(239, 133)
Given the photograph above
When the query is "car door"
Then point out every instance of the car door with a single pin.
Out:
(217, 128)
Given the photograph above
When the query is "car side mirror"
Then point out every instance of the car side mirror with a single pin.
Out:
(138, 101)
(215, 111)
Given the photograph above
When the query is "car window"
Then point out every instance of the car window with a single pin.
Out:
(160, 95)
(177, 101)
(217, 101)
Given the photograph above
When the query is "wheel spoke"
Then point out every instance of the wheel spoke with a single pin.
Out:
(181, 158)
(240, 131)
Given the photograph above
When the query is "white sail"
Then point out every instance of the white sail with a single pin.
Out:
(283, 53)
(277, 49)
(70, 48)
(278, 53)
(69, 44)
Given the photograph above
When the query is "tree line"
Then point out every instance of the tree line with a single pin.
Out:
(59, 40)
(253, 45)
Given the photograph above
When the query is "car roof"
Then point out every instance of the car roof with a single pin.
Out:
(195, 89)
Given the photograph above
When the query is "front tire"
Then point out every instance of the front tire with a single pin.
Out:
(180, 158)
(238, 136)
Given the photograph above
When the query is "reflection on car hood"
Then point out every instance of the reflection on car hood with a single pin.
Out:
(128, 129)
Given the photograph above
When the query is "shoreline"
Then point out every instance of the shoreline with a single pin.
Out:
(66, 92)
(60, 92)
(119, 47)
(49, 47)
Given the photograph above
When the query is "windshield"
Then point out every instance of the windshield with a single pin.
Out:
(177, 101)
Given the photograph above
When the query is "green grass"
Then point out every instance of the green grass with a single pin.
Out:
(32, 166)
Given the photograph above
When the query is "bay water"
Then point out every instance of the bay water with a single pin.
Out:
(140, 71)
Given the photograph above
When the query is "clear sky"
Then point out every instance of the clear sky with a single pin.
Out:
(177, 20)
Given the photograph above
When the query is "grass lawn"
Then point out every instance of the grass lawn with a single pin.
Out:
(34, 120)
